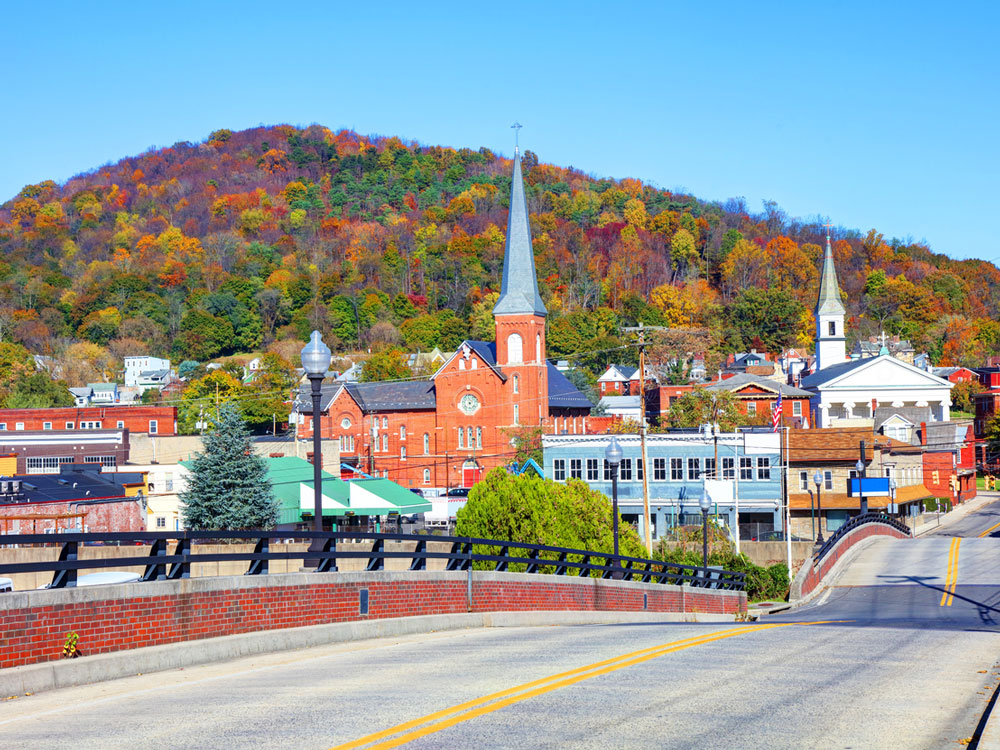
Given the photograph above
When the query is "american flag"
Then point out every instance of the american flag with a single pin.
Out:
(776, 414)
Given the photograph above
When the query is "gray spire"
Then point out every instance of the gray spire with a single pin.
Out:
(829, 291)
(519, 290)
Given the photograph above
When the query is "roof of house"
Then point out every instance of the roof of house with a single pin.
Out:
(407, 395)
(744, 379)
(947, 436)
(303, 400)
(835, 444)
(76, 482)
(912, 414)
(620, 402)
(563, 394)
(624, 371)
(830, 372)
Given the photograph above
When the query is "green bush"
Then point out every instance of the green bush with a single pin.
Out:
(539, 511)
(761, 583)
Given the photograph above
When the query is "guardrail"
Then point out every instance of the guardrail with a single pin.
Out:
(464, 553)
(854, 523)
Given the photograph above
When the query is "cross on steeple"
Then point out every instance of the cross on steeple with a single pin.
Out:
(828, 225)
(517, 127)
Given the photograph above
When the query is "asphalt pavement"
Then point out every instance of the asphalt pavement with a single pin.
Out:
(902, 652)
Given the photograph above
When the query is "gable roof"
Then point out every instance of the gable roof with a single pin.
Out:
(828, 375)
(742, 380)
(909, 414)
(618, 372)
(487, 351)
(562, 393)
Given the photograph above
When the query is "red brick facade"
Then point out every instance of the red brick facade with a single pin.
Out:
(125, 514)
(33, 626)
(154, 420)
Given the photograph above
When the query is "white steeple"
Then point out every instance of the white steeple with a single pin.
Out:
(831, 344)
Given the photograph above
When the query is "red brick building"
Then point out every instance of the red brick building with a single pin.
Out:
(755, 395)
(465, 419)
(152, 420)
(949, 459)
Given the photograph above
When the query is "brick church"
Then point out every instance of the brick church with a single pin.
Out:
(448, 430)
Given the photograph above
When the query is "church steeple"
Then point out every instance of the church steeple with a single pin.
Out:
(831, 344)
(519, 289)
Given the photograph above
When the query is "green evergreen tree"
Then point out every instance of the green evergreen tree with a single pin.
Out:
(228, 487)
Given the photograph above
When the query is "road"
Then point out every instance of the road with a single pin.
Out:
(902, 653)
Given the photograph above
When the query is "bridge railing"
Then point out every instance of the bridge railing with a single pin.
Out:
(854, 523)
(459, 553)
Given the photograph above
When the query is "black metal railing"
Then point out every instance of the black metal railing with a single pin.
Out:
(458, 553)
(852, 524)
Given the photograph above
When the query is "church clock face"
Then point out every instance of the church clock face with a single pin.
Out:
(469, 404)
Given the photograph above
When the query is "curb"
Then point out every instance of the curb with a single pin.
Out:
(37, 678)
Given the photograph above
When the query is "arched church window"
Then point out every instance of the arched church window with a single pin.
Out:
(515, 351)
(833, 328)
(517, 381)
(538, 347)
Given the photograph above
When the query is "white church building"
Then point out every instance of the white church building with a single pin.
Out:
(879, 392)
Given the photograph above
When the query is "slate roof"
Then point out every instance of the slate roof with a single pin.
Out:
(946, 436)
(303, 400)
(562, 393)
(519, 289)
(403, 396)
(738, 381)
(912, 414)
(833, 371)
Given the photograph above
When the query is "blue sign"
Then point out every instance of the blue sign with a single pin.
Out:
(868, 487)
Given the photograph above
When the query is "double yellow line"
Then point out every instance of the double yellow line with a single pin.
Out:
(991, 529)
(951, 579)
(435, 722)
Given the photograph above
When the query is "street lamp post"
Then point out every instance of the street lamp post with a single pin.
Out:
(316, 361)
(862, 502)
(706, 505)
(818, 479)
(613, 455)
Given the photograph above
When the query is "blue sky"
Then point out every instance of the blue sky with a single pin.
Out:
(876, 115)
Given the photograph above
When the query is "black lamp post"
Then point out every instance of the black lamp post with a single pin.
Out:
(706, 505)
(863, 501)
(316, 361)
(818, 479)
(613, 455)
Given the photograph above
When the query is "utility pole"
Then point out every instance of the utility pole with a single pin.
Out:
(784, 496)
(642, 439)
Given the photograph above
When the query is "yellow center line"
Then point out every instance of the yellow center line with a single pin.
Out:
(435, 722)
(994, 527)
(951, 579)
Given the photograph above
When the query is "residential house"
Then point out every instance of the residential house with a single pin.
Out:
(949, 457)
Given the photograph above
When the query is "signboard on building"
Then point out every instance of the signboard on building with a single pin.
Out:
(868, 487)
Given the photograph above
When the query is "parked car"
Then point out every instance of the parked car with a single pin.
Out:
(6, 585)
(458, 492)
(106, 578)
(776, 536)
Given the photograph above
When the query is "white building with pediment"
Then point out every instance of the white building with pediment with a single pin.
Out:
(865, 392)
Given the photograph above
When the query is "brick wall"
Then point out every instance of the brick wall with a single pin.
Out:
(814, 574)
(34, 624)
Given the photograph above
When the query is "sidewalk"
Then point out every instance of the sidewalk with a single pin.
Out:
(946, 519)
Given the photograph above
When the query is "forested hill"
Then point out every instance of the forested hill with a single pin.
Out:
(208, 249)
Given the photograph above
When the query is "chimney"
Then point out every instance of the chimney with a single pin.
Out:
(923, 433)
